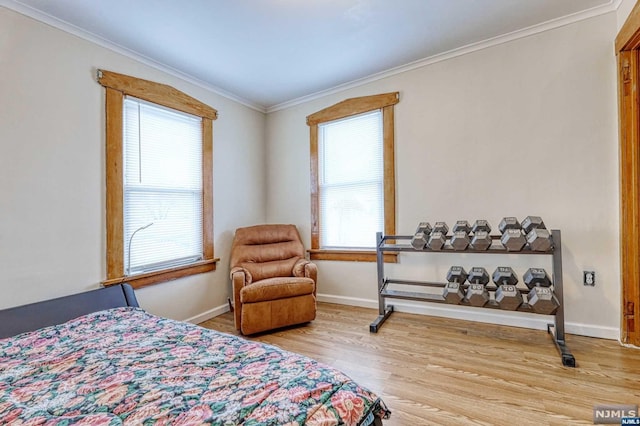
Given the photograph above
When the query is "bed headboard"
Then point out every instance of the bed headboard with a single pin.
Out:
(56, 311)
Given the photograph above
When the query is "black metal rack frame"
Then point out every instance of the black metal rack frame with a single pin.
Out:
(383, 245)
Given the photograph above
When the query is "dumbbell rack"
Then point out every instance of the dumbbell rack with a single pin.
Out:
(393, 243)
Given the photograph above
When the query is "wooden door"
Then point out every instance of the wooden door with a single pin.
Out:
(628, 54)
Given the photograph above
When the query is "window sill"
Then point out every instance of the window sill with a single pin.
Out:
(155, 277)
(350, 255)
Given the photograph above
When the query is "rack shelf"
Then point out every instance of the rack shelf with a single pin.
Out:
(393, 243)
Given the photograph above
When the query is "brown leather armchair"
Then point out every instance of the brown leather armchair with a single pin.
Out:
(273, 284)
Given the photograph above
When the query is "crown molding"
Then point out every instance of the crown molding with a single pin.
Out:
(23, 9)
(54, 22)
(611, 6)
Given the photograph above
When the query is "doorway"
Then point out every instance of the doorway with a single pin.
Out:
(628, 53)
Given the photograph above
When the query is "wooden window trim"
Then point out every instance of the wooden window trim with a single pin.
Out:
(117, 86)
(347, 108)
(627, 45)
(350, 255)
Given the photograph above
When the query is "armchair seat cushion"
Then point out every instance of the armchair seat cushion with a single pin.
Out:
(276, 288)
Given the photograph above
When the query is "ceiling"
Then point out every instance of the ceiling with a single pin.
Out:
(269, 53)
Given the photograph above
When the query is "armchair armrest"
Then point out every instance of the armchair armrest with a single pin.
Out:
(238, 272)
(308, 269)
(239, 278)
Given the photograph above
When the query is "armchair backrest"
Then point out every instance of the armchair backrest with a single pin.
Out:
(267, 251)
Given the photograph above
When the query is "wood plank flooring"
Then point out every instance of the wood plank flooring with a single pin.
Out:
(437, 371)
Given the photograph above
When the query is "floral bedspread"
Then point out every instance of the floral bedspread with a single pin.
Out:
(124, 366)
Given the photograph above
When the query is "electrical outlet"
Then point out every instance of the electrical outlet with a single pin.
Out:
(589, 278)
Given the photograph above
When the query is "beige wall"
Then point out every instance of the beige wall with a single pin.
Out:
(524, 127)
(624, 10)
(52, 187)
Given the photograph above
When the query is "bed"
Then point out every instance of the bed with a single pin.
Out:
(116, 364)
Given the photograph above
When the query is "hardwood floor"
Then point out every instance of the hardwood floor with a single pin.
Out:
(433, 371)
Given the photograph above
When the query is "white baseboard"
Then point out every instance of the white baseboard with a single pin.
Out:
(524, 320)
(207, 315)
(591, 330)
(344, 300)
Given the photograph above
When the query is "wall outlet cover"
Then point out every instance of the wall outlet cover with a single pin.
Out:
(589, 278)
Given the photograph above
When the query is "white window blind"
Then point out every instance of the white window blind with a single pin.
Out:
(162, 187)
(351, 179)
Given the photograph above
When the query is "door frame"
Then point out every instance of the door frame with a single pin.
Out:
(627, 45)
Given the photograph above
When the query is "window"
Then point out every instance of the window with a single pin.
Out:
(352, 177)
(159, 182)
(350, 181)
(162, 187)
